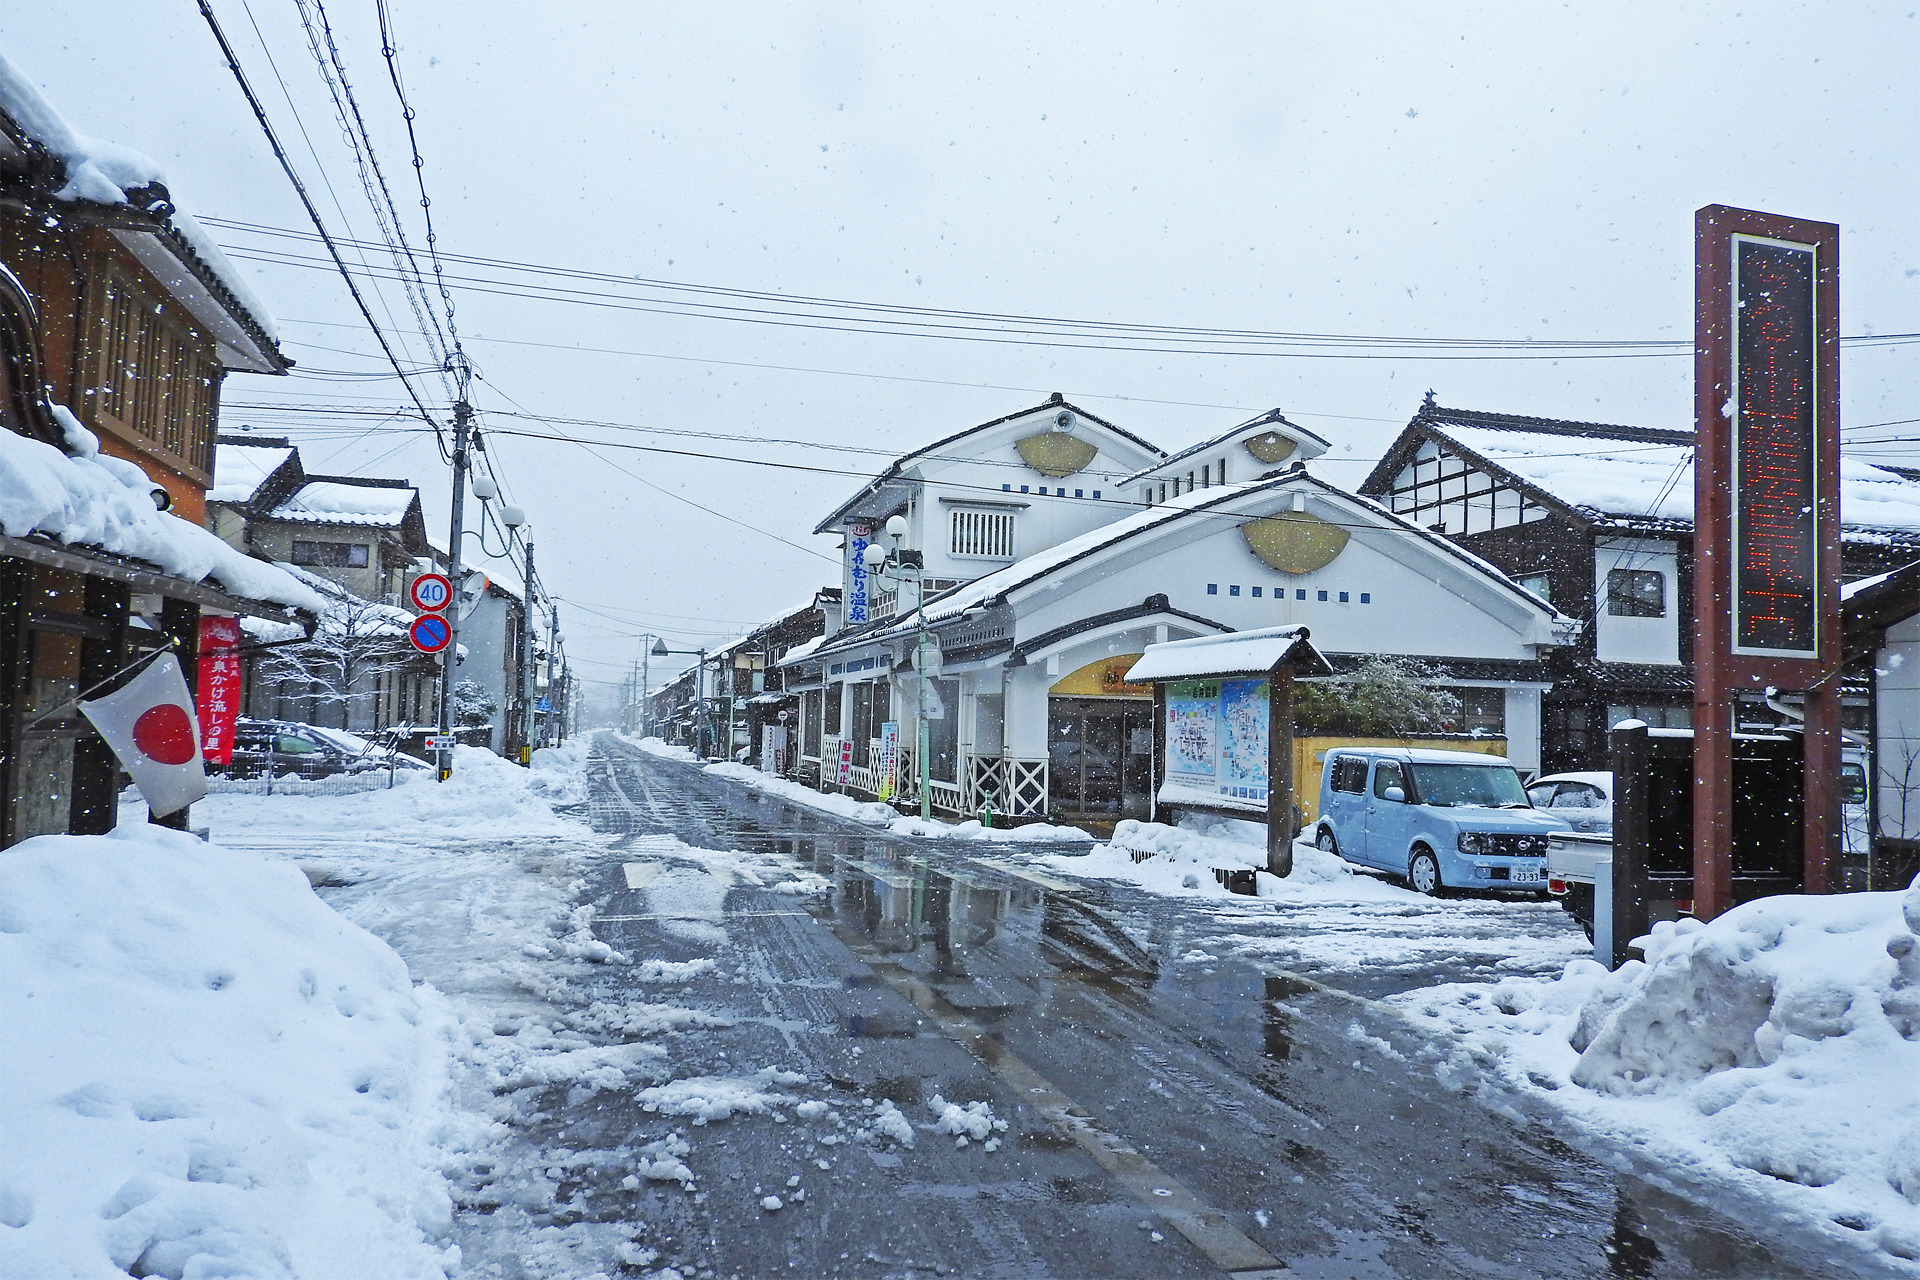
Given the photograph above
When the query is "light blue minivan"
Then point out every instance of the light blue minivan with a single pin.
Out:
(1443, 819)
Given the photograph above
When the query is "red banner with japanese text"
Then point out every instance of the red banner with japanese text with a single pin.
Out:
(218, 695)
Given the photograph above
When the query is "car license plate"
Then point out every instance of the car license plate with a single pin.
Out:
(1526, 875)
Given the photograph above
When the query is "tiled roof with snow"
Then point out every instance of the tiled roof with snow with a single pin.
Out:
(1311, 443)
(1652, 478)
(340, 502)
(103, 172)
(240, 469)
(107, 503)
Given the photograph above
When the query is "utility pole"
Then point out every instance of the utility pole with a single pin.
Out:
(703, 731)
(526, 655)
(450, 656)
(553, 672)
(646, 658)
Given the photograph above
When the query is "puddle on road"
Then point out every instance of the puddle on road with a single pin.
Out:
(952, 916)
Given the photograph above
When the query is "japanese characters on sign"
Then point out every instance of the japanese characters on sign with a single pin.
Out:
(886, 776)
(858, 608)
(1217, 737)
(218, 693)
(1775, 551)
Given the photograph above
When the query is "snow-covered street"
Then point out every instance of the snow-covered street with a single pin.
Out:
(661, 1023)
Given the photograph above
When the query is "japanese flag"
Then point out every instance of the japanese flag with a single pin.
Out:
(150, 726)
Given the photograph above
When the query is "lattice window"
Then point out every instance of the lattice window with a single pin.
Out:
(152, 376)
(985, 534)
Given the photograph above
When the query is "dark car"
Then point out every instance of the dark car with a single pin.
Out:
(308, 751)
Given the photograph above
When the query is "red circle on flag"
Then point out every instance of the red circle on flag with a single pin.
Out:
(164, 734)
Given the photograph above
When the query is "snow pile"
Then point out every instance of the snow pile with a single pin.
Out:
(973, 829)
(973, 1121)
(1779, 1044)
(706, 1098)
(560, 773)
(485, 796)
(209, 1072)
(887, 1122)
(106, 502)
(1181, 860)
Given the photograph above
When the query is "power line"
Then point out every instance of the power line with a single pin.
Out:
(280, 153)
(947, 318)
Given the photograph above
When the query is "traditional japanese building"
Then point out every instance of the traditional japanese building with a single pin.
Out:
(1598, 519)
(1034, 714)
(119, 320)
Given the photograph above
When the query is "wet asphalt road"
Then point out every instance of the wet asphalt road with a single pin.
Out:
(1164, 1119)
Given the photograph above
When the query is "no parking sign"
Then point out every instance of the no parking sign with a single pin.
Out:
(430, 633)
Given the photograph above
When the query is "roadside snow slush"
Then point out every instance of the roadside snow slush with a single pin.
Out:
(620, 1016)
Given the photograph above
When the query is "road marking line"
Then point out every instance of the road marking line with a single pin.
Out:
(1204, 1226)
(1040, 878)
(641, 874)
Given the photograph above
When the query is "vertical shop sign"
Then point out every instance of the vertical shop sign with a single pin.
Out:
(218, 695)
(858, 609)
(887, 777)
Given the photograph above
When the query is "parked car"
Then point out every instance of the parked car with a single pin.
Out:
(309, 751)
(1443, 819)
(1583, 799)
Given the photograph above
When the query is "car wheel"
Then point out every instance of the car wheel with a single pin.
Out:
(1423, 872)
(1327, 843)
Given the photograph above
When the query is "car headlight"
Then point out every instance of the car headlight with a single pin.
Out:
(1472, 842)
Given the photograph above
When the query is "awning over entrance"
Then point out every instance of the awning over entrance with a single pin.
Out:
(1239, 653)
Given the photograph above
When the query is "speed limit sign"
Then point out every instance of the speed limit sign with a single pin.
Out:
(431, 592)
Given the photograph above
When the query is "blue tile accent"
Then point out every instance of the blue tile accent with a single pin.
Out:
(1343, 597)
(1366, 597)
(1256, 591)
(1234, 590)
(1006, 488)
(1023, 488)
(1213, 588)
(1323, 595)
(1096, 495)
(1060, 493)
(1079, 493)
(1299, 593)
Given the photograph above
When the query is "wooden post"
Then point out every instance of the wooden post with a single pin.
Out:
(1159, 764)
(1280, 768)
(1820, 793)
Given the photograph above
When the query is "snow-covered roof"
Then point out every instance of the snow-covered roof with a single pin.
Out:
(1643, 474)
(1310, 444)
(1021, 573)
(803, 650)
(240, 469)
(1238, 653)
(95, 500)
(343, 502)
(103, 172)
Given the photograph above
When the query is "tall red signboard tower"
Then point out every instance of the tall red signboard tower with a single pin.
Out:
(1766, 406)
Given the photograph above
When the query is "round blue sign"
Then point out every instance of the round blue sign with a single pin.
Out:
(430, 633)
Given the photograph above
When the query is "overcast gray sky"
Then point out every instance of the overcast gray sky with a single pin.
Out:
(1419, 170)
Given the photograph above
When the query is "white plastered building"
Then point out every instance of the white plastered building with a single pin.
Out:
(1132, 548)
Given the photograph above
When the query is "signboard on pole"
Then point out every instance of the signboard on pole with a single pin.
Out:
(886, 773)
(430, 633)
(218, 690)
(431, 592)
(1766, 513)
(844, 773)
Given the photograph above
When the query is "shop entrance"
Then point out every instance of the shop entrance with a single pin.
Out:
(1100, 753)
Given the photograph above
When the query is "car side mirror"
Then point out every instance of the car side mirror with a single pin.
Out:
(1394, 794)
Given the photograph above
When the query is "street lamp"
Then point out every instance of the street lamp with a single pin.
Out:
(876, 559)
(660, 650)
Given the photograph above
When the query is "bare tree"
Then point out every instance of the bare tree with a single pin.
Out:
(355, 649)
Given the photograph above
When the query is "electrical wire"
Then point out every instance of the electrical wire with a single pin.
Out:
(280, 153)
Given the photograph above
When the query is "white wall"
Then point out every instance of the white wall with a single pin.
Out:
(1896, 751)
(1616, 639)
